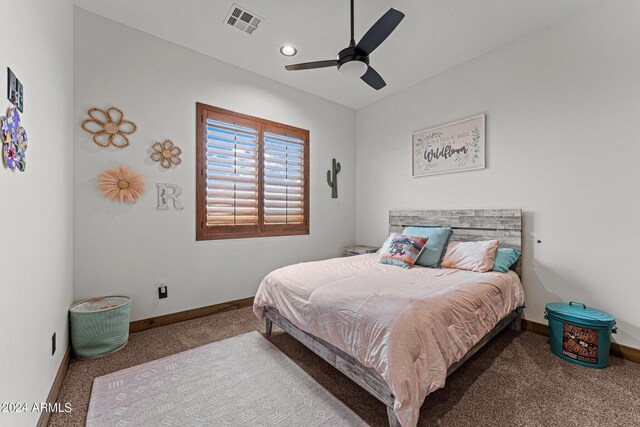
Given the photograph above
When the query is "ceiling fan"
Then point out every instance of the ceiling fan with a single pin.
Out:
(354, 60)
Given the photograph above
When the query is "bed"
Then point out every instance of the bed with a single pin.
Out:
(399, 333)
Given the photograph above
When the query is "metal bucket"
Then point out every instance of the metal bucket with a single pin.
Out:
(580, 334)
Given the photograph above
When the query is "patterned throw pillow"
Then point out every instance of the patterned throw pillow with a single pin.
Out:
(385, 245)
(403, 251)
(435, 249)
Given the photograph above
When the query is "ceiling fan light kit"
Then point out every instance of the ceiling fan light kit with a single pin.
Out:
(354, 60)
(353, 68)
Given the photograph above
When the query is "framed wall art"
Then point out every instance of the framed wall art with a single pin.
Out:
(454, 147)
(15, 91)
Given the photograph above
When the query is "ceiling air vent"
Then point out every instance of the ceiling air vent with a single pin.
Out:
(242, 19)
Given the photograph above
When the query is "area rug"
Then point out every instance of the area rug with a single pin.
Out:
(240, 381)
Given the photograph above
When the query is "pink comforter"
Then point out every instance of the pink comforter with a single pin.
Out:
(408, 325)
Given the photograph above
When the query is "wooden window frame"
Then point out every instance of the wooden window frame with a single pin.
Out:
(204, 232)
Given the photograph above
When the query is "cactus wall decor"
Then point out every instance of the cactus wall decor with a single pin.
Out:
(332, 179)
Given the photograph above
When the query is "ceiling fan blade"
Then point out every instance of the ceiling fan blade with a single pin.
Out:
(312, 65)
(380, 31)
(373, 79)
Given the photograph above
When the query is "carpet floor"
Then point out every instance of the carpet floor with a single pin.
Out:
(514, 380)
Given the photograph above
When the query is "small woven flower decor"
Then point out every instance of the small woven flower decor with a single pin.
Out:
(166, 154)
(121, 184)
(109, 127)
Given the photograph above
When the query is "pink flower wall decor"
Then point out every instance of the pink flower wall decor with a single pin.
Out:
(121, 184)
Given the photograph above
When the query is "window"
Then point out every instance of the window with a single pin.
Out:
(252, 176)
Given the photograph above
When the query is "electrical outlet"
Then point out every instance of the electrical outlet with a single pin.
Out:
(53, 344)
(162, 291)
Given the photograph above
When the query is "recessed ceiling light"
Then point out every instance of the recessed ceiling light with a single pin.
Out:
(288, 50)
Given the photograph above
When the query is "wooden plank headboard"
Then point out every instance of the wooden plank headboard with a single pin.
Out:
(469, 225)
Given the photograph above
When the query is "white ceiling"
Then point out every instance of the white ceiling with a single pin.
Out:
(434, 36)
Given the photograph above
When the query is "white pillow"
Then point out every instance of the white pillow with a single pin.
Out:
(472, 256)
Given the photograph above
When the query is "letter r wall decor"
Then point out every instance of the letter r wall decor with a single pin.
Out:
(454, 147)
(166, 193)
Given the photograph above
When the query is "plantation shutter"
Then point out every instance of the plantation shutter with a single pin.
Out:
(284, 177)
(231, 172)
(253, 176)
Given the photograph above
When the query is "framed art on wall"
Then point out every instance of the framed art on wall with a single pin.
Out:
(15, 91)
(454, 147)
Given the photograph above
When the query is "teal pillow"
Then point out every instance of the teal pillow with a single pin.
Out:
(505, 258)
(436, 246)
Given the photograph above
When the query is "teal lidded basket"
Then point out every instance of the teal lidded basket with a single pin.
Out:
(99, 326)
(580, 334)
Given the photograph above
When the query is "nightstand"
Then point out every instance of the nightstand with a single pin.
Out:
(359, 250)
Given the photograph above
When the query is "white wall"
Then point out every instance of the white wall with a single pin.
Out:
(122, 249)
(563, 121)
(36, 205)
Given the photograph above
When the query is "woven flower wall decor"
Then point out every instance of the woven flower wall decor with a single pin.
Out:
(121, 184)
(166, 153)
(14, 139)
(109, 127)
